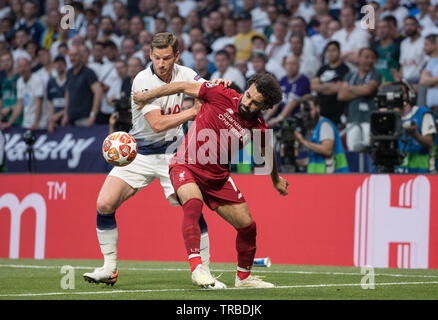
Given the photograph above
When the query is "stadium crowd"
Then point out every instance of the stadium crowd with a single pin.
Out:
(53, 76)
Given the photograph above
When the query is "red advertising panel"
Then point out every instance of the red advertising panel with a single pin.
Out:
(345, 220)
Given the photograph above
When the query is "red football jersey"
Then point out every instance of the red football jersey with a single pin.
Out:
(218, 132)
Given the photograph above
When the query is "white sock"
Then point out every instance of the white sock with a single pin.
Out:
(205, 249)
(108, 246)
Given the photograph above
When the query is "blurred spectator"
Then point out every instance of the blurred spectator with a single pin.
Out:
(258, 61)
(321, 9)
(10, 113)
(258, 43)
(350, 37)
(19, 51)
(144, 53)
(50, 31)
(326, 152)
(207, 6)
(359, 89)
(392, 23)
(44, 73)
(30, 21)
(106, 74)
(128, 48)
(333, 27)
(294, 85)
(110, 51)
(107, 31)
(278, 48)
(32, 49)
(56, 87)
(63, 38)
(30, 94)
(298, 25)
(83, 94)
(232, 51)
(258, 10)
(300, 8)
(309, 64)
(134, 67)
(423, 13)
(177, 28)
(224, 70)
(230, 31)
(328, 81)
(123, 27)
(433, 15)
(200, 65)
(244, 35)
(185, 7)
(200, 47)
(272, 12)
(91, 35)
(136, 25)
(242, 66)
(388, 52)
(216, 22)
(412, 56)
(160, 25)
(192, 21)
(393, 8)
(323, 36)
(429, 77)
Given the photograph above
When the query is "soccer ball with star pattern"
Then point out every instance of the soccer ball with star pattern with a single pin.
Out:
(119, 149)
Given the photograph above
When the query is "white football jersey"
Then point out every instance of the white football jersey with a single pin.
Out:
(148, 141)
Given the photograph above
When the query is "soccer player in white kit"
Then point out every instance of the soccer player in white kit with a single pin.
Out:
(157, 128)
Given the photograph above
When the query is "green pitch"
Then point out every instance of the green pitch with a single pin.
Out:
(42, 279)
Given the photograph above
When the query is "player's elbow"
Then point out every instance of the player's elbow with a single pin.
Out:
(157, 127)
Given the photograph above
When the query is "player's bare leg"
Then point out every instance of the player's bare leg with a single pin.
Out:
(113, 193)
(239, 217)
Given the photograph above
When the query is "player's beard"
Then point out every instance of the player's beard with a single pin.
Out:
(245, 113)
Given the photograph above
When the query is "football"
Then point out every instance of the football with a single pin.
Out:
(119, 149)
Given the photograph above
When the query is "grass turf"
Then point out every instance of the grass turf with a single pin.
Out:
(149, 280)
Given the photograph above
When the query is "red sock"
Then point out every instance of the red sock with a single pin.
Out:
(191, 232)
(246, 248)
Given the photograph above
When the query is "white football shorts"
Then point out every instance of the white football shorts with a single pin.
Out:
(145, 169)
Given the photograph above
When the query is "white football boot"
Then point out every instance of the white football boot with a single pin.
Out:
(252, 282)
(202, 277)
(101, 275)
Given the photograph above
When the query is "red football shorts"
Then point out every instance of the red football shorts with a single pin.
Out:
(214, 192)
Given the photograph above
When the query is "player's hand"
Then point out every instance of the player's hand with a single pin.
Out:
(197, 106)
(140, 99)
(281, 186)
(224, 82)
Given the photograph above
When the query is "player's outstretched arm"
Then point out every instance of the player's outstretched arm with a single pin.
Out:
(280, 184)
(188, 88)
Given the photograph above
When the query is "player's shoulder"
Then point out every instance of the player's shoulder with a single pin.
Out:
(185, 73)
(146, 79)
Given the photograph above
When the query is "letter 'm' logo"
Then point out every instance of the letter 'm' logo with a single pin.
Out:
(35, 201)
(392, 236)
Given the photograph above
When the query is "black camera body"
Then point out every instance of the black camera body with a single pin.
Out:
(285, 135)
(124, 119)
(386, 128)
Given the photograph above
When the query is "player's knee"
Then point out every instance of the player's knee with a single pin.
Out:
(106, 205)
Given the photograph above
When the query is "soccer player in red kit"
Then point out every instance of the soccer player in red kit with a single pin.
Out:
(199, 171)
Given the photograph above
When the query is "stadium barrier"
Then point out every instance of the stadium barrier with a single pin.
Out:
(341, 220)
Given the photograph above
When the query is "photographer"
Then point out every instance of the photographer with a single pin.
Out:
(419, 135)
(326, 153)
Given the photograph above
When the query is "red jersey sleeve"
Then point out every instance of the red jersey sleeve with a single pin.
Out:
(216, 94)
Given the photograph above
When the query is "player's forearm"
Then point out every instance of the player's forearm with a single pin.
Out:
(188, 88)
(166, 122)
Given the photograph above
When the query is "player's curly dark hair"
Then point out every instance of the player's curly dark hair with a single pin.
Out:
(268, 87)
